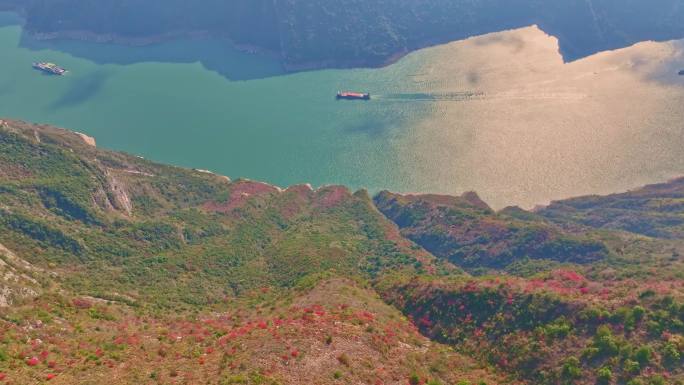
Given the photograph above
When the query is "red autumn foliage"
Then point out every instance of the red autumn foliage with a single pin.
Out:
(425, 321)
(570, 275)
(240, 194)
(81, 303)
(470, 287)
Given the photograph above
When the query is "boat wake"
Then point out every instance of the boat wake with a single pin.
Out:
(433, 96)
(477, 95)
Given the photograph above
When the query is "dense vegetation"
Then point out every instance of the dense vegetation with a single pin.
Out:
(465, 231)
(656, 210)
(558, 327)
(129, 225)
(113, 267)
(339, 33)
(592, 306)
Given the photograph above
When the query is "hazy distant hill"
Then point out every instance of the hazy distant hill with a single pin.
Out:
(341, 33)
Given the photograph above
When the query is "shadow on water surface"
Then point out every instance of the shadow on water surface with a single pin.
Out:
(390, 119)
(374, 126)
(81, 90)
(9, 18)
(214, 54)
(664, 72)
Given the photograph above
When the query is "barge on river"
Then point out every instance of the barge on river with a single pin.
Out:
(347, 95)
(50, 68)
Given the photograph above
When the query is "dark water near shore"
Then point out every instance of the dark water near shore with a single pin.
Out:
(500, 114)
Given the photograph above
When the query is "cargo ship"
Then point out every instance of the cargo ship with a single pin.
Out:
(681, 73)
(353, 95)
(50, 68)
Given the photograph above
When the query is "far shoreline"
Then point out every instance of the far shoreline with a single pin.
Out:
(288, 67)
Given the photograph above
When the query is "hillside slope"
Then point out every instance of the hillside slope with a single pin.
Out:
(333, 332)
(115, 267)
(120, 270)
(466, 232)
(594, 301)
(655, 210)
(91, 214)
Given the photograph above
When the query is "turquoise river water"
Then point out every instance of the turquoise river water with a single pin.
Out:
(500, 114)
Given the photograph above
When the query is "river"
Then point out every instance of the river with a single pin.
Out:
(500, 114)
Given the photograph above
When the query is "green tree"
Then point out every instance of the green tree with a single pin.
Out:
(631, 366)
(604, 375)
(638, 313)
(571, 369)
(643, 355)
(414, 379)
(605, 342)
(671, 354)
